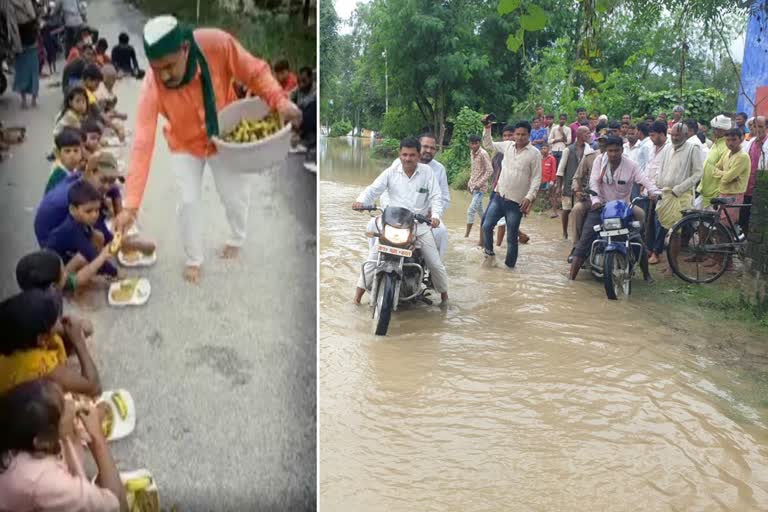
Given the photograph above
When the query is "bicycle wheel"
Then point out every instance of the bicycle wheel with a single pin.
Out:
(699, 248)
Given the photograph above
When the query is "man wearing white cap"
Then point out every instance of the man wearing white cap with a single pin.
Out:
(709, 187)
(189, 81)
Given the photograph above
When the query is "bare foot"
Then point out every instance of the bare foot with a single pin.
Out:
(230, 252)
(192, 274)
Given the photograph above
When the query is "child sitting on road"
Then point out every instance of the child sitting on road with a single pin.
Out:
(41, 464)
(92, 79)
(78, 236)
(44, 270)
(124, 58)
(71, 219)
(106, 98)
(73, 111)
(102, 58)
(32, 346)
(69, 156)
(92, 141)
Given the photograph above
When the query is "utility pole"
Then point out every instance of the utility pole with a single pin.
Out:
(198, 12)
(386, 83)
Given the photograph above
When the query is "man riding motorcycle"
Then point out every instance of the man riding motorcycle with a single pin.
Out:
(410, 185)
(612, 177)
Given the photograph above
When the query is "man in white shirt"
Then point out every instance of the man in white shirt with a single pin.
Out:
(560, 137)
(693, 137)
(428, 150)
(640, 150)
(516, 189)
(412, 185)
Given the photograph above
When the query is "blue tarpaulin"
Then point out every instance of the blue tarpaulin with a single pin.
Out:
(754, 67)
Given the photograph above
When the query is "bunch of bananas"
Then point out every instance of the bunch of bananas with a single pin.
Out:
(251, 131)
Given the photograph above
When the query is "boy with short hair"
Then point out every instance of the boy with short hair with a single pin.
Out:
(78, 236)
(482, 170)
(733, 171)
(69, 156)
(124, 57)
(548, 175)
(92, 79)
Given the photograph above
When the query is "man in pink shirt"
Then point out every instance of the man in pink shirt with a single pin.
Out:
(757, 149)
(581, 116)
(612, 178)
(189, 81)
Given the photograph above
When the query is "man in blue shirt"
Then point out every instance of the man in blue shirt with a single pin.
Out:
(101, 172)
(539, 134)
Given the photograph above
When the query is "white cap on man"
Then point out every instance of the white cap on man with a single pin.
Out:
(721, 122)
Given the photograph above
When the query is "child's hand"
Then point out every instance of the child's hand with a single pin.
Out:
(92, 423)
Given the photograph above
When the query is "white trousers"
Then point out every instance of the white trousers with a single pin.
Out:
(426, 243)
(234, 192)
(440, 233)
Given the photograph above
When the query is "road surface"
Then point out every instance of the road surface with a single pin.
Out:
(223, 374)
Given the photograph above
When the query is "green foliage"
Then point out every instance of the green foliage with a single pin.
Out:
(387, 148)
(287, 35)
(531, 17)
(699, 104)
(341, 128)
(402, 122)
(456, 157)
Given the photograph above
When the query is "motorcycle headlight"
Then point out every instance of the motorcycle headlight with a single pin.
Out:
(396, 235)
(614, 223)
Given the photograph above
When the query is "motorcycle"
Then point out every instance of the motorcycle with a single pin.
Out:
(618, 249)
(400, 275)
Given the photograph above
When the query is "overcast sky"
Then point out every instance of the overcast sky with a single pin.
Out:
(345, 8)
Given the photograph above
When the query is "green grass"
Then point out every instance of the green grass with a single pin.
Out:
(721, 300)
(268, 35)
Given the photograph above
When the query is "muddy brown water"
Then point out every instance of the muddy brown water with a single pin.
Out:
(529, 392)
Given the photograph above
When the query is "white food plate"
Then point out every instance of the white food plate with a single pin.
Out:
(120, 427)
(145, 260)
(140, 294)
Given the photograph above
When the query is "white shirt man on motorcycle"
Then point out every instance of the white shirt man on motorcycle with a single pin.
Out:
(409, 184)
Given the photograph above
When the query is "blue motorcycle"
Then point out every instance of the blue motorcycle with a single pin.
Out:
(618, 249)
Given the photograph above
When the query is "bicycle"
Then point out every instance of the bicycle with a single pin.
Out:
(704, 244)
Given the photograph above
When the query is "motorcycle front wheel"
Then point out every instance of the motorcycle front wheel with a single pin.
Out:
(616, 276)
(383, 304)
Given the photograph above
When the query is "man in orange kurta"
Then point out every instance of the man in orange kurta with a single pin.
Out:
(188, 82)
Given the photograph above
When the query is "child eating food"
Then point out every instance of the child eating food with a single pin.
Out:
(32, 346)
(69, 156)
(38, 443)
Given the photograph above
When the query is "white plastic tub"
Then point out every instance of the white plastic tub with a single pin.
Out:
(251, 157)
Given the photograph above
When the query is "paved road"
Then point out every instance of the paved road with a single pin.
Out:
(223, 373)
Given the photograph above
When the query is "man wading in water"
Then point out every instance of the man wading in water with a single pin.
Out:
(188, 82)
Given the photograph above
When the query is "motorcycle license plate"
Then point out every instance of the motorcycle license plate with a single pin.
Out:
(405, 253)
(614, 232)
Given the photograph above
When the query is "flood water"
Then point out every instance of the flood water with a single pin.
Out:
(529, 392)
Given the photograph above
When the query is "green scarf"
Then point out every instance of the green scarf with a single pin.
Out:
(171, 43)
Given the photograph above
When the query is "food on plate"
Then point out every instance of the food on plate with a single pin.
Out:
(117, 399)
(125, 291)
(251, 131)
(132, 256)
(108, 423)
